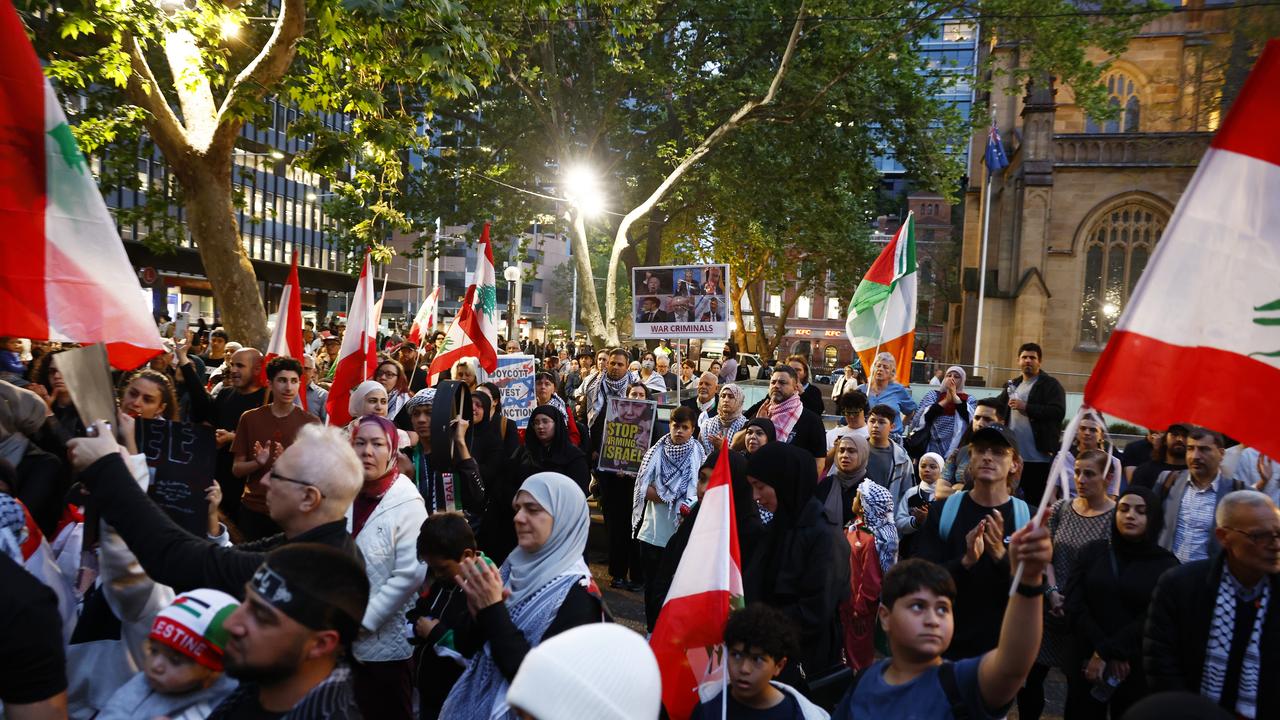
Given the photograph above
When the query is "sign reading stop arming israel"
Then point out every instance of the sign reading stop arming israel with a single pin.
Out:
(680, 301)
(514, 377)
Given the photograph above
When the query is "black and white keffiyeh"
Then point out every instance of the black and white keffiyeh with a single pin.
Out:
(671, 469)
(606, 388)
(1231, 595)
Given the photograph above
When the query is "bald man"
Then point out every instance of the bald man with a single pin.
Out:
(241, 392)
(708, 394)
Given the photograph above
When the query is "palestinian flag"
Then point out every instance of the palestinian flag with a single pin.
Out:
(474, 332)
(1209, 296)
(882, 313)
(688, 639)
(64, 274)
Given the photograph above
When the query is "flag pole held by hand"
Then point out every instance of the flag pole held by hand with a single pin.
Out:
(1056, 473)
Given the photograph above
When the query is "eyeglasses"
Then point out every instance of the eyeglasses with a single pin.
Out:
(278, 476)
(1259, 537)
(388, 373)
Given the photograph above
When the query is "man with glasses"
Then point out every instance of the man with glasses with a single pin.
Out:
(1213, 627)
(309, 490)
(1192, 496)
(316, 395)
(261, 436)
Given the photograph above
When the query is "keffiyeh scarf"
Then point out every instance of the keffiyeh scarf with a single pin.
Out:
(717, 427)
(670, 469)
(1231, 594)
(607, 388)
(877, 518)
(784, 416)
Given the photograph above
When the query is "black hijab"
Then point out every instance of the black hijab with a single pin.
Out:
(1146, 547)
(766, 425)
(744, 506)
(791, 473)
(556, 454)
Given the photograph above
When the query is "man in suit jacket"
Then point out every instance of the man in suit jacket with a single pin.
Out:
(707, 396)
(679, 310)
(1213, 627)
(651, 312)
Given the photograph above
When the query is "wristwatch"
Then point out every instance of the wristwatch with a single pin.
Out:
(1032, 591)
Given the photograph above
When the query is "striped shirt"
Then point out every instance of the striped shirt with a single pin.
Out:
(1195, 522)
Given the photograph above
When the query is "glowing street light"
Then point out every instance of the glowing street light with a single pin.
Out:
(582, 188)
(1111, 310)
(230, 28)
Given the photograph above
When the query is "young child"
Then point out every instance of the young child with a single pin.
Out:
(182, 676)
(758, 641)
(915, 612)
(873, 544)
(666, 490)
(912, 513)
(440, 616)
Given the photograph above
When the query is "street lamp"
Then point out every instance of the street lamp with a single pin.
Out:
(512, 274)
(582, 189)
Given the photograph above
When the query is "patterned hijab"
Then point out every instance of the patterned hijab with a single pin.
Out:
(877, 518)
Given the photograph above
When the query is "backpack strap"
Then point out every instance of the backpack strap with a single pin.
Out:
(950, 507)
(947, 677)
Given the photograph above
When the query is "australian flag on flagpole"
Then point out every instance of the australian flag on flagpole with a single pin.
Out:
(996, 159)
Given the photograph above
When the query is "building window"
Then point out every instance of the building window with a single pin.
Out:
(833, 308)
(1124, 98)
(804, 307)
(1116, 250)
(775, 305)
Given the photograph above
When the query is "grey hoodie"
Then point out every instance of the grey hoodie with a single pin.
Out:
(135, 699)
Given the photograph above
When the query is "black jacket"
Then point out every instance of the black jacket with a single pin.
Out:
(798, 571)
(1046, 407)
(811, 398)
(1177, 633)
(172, 556)
(1107, 599)
(507, 643)
(809, 433)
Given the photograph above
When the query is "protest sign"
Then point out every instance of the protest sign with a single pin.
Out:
(681, 301)
(181, 457)
(628, 431)
(514, 377)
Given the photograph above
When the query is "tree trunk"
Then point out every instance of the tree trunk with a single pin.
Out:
(735, 301)
(211, 218)
(589, 309)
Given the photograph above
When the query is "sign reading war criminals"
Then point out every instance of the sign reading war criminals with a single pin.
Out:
(628, 431)
(681, 301)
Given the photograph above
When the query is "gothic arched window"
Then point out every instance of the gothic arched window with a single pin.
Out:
(1116, 250)
(1124, 99)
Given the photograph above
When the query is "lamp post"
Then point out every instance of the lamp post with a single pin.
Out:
(512, 274)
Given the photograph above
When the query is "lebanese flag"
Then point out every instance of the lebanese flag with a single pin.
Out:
(286, 339)
(425, 321)
(1208, 305)
(882, 313)
(474, 332)
(358, 354)
(688, 638)
(64, 274)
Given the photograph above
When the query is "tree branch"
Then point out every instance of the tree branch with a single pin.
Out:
(144, 91)
(261, 75)
(738, 118)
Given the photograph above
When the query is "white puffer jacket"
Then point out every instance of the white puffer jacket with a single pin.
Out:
(389, 542)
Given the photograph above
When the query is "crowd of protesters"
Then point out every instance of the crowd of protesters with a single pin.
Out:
(399, 568)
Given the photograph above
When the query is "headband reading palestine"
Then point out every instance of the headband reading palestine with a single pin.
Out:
(301, 605)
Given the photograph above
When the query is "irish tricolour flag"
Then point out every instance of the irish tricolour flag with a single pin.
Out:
(882, 313)
(688, 639)
(64, 274)
(1200, 339)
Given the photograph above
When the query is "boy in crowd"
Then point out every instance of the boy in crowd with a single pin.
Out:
(915, 613)
(889, 465)
(758, 642)
(666, 490)
(440, 617)
(852, 405)
(183, 671)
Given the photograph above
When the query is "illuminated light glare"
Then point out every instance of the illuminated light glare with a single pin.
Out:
(230, 28)
(312, 197)
(277, 155)
(583, 190)
(1111, 310)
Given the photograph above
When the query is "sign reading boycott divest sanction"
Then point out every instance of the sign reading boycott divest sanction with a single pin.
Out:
(514, 377)
(628, 432)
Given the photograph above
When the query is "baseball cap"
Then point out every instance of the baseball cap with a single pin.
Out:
(1180, 428)
(994, 434)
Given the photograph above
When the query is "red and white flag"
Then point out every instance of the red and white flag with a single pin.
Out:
(688, 639)
(425, 321)
(64, 274)
(358, 354)
(474, 332)
(286, 339)
(1200, 339)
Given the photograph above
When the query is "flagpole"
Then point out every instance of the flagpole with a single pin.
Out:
(982, 263)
